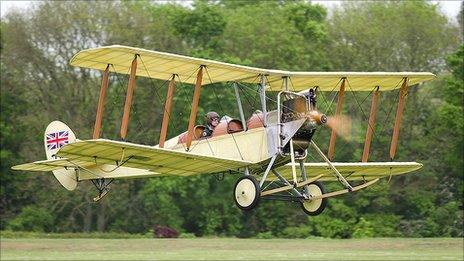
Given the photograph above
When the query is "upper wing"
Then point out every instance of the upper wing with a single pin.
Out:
(160, 65)
(354, 171)
(158, 160)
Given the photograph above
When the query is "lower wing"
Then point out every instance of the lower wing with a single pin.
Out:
(95, 155)
(354, 171)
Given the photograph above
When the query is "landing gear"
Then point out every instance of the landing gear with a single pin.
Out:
(247, 192)
(316, 206)
(103, 188)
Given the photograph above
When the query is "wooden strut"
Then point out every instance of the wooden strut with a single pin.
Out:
(370, 126)
(399, 115)
(284, 188)
(193, 113)
(167, 111)
(343, 191)
(129, 95)
(333, 135)
(101, 103)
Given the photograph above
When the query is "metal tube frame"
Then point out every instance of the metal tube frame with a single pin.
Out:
(262, 95)
(285, 181)
(337, 173)
(240, 108)
(304, 176)
(279, 117)
(269, 167)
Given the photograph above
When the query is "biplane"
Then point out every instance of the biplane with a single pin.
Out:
(269, 149)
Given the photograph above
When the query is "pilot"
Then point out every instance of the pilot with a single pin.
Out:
(212, 120)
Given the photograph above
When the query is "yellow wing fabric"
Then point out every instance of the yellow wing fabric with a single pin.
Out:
(354, 171)
(50, 165)
(160, 65)
(155, 159)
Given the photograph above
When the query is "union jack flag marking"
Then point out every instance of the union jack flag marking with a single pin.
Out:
(56, 140)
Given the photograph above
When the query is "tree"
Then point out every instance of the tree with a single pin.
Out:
(390, 36)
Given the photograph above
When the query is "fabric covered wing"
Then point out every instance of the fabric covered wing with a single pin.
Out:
(49, 165)
(158, 160)
(160, 65)
(354, 171)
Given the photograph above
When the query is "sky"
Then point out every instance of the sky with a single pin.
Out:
(449, 7)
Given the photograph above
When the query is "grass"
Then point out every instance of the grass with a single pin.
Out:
(232, 249)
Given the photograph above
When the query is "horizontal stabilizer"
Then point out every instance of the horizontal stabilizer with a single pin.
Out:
(50, 165)
(354, 171)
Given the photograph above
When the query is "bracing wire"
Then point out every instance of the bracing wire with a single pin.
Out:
(154, 85)
(183, 87)
(328, 109)
(223, 112)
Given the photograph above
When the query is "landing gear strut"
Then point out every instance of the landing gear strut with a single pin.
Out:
(103, 187)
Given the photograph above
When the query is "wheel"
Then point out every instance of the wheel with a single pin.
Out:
(247, 192)
(314, 207)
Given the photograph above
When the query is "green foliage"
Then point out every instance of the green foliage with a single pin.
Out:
(107, 235)
(363, 228)
(297, 232)
(265, 235)
(201, 26)
(32, 218)
(187, 235)
(379, 36)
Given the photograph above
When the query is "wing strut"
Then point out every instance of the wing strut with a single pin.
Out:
(399, 114)
(370, 125)
(128, 103)
(193, 113)
(340, 176)
(167, 111)
(101, 103)
(333, 136)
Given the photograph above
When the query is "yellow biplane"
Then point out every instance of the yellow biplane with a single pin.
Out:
(269, 148)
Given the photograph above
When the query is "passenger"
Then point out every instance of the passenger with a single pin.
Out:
(212, 120)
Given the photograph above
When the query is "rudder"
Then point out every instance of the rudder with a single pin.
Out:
(57, 134)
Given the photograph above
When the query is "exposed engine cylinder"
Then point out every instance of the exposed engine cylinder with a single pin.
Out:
(303, 108)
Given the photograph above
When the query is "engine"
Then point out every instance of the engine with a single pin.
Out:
(302, 107)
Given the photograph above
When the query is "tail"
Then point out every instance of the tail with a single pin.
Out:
(56, 136)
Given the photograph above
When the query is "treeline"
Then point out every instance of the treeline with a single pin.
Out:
(38, 86)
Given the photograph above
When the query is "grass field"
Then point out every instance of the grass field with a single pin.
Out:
(232, 249)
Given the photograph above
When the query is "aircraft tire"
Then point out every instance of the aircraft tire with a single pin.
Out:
(314, 207)
(247, 192)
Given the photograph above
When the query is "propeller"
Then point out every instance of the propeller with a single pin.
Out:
(341, 125)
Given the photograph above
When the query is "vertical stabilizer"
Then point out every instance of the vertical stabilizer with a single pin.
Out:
(56, 136)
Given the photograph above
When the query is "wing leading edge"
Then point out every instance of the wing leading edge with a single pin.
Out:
(158, 160)
(160, 65)
(50, 165)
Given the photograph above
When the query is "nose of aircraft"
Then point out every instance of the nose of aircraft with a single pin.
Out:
(318, 117)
